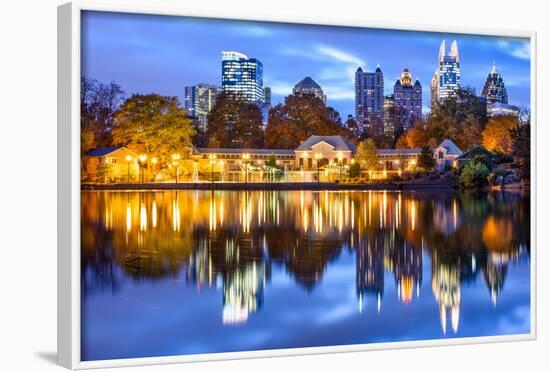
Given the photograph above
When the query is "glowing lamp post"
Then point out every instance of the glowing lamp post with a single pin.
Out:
(128, 160)
(212, 162)
(317, 160)
(142, 158)
(175, 159)
(246, 157)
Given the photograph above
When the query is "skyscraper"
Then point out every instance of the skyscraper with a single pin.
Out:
(446, 79)
(308, 86)
(408, 96)
(199, 100)
(243, 77)
(496, 95)
(494, 90)
(369, 95)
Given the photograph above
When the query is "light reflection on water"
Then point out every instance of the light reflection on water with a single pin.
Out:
(169, 273)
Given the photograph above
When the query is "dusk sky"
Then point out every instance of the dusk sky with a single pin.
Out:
(163, 54)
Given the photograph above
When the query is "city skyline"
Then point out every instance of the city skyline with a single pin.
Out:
(165, 54)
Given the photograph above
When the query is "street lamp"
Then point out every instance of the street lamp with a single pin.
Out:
(222, 167)
(212, 162)
(128, 160)
(246, 157)
(175, 158)
(142, 158)
(317, 159)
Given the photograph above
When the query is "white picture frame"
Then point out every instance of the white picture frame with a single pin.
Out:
(69, 186)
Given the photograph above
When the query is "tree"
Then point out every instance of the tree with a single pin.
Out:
(474, 175)
(367, 154)
(426, 160)
(521, 150)
(153, 124)
(298, 118)
(98, 105)
(234, 123)
(497, 135)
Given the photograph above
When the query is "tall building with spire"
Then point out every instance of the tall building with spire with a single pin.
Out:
(495, 94)
(446, 79)
(494, 90)
(408, 96)
(369, 95)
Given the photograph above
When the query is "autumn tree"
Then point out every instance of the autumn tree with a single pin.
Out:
(298, 118)
(367, 154)
(497, 135)
(234, 123)
(98, 105)
(153, 124)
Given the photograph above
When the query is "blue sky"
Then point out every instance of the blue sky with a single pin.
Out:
(163, 54)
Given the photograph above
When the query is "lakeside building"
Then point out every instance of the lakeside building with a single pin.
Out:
(199, 100)
(308, 86)
(495, 94)
(446, 79)
(243, 76)
(408, 96)
(369, 95)
(331, 154)
(110, 164)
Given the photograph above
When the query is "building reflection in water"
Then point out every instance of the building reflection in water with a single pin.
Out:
(230, 241)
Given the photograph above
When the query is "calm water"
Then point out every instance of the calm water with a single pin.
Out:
(172, 273)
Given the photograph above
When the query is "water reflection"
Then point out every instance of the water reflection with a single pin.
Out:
(231, 242)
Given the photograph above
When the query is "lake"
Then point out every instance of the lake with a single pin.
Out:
(191, 272)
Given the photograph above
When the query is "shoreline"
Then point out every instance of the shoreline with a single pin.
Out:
(262, 186)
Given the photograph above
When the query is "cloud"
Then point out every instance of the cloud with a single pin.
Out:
(521, 50)
(339, 55)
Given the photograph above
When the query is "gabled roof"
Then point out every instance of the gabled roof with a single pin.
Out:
(338, 142)
(451, 147)
(102, 151)
(399, 151)
(307, 83)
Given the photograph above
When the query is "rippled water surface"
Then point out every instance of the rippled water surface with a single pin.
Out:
(187, 272)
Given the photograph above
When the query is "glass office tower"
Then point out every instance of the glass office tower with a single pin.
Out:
(243, 77)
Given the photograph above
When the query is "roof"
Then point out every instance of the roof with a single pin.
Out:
(451, 147)
(399, 151)
(338, 142)
(307, 83)
(204, 150)
(102, 151)
(475, 151)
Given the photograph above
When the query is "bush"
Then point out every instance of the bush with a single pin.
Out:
(474, 175)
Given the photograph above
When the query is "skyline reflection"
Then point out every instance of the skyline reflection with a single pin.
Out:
(231, 242)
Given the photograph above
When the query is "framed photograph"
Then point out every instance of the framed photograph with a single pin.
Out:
(254, 187)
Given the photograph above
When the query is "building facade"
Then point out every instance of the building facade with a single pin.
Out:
(494, 90)
(369, 95)
(308, 86)
(243, 77)
(446, 79)
(408, 96)
(199, 100)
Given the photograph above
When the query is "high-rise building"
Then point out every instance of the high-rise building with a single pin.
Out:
(369, 95)
(494, 90)
(389, 104)
(267, 96)
(243, 76)
(446, 79)
(199, 100)
(495, 94)
(308, 86)
(408, 96)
